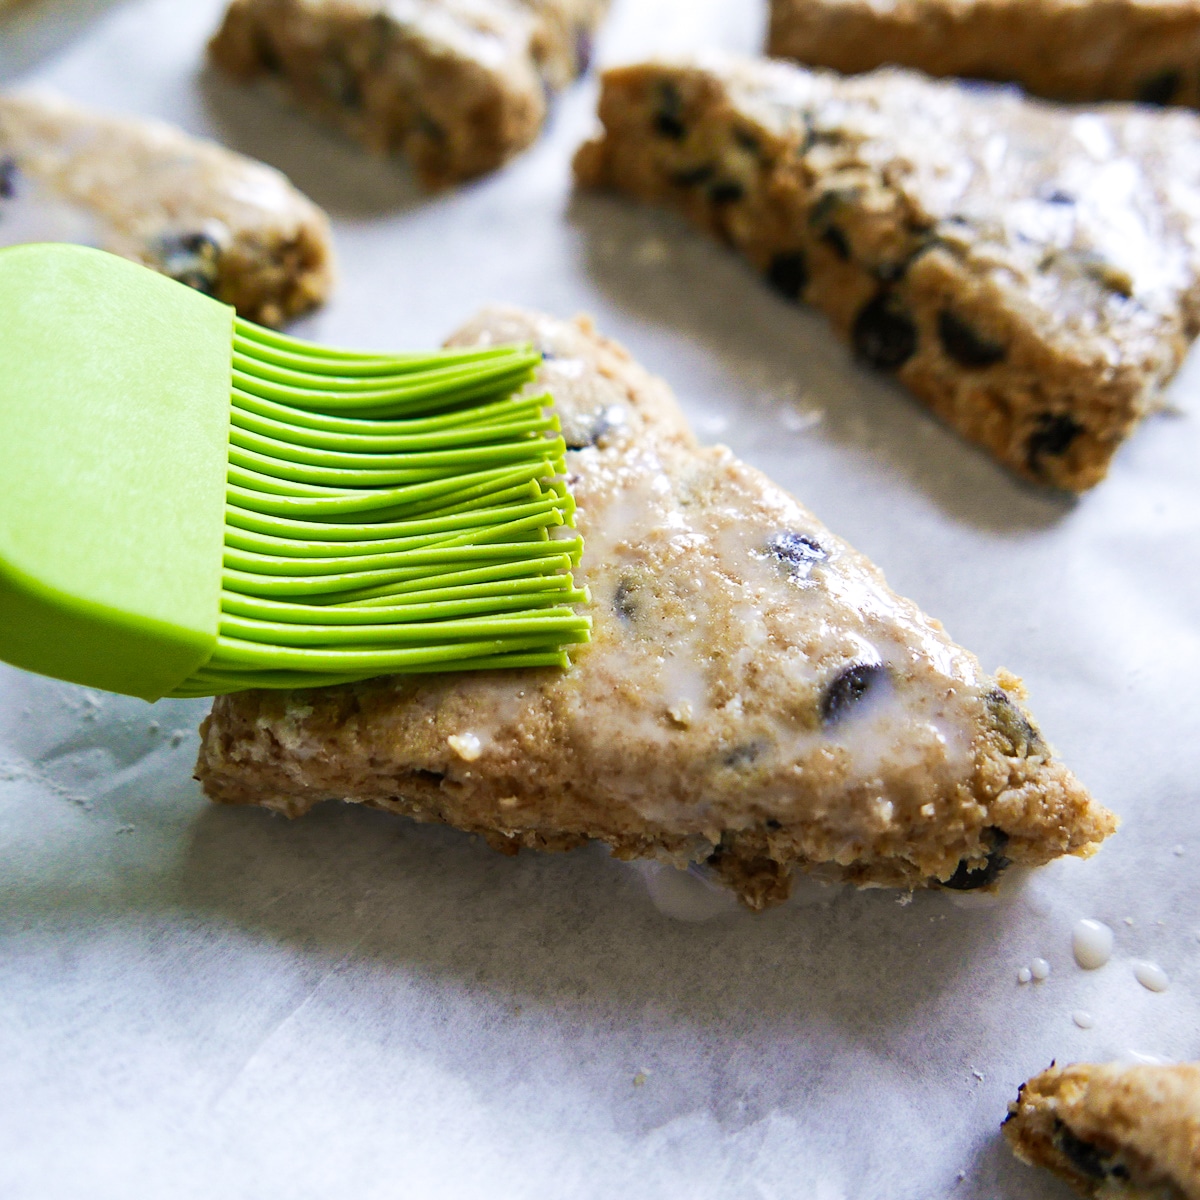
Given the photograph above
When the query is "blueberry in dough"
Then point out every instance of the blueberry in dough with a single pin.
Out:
(1159, 89)
(884, 335)
(968, 879)
(1052, 437)
(849, 689)
(788, 273)
(798, 550)
(965, 345)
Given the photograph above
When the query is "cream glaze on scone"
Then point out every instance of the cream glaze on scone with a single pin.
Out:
(754, 696)
(223, 223)
(1032, 273)
(1113, 1131)
(459, 86)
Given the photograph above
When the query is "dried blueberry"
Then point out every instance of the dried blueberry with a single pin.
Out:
(268, 56)
(772, 824)
(1051, 437)
(693, 176)
(743, 756)
(585, 46)
(746, 140)
(1087, 1159)
(848, 690)
(624, 603)
(429, 128)
(340, 82)
(1058, 196)
(798, 550)
(967, 347)
(884, 334)
(192, 259)
(1160, 88)
(8, 178)
(726, 191)
(835, 239)
(1018, 731)
(968, 879)
(788, 273)
(668, 115)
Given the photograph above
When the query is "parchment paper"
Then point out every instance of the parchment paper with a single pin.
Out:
(198, 1002)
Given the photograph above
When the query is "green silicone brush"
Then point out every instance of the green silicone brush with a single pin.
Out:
(193, 505)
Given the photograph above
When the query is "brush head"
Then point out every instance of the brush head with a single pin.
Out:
(203, 506)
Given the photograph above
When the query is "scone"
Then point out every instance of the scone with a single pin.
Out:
(753, 698)
(222, 223)
(459, 86)
(1145, 50)
(1113, 1131)
(1031, 273)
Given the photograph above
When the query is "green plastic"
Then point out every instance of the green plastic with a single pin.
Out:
(195, 505)
(114, 433)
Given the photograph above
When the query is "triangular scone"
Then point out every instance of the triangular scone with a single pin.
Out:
(1031, 272)
(1147, 50)
(754, 696)
(459, 86)
(1113, 1130)
(215, 220)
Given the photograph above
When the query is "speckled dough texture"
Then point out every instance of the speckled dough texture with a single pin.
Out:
(1146, 50)
(1031, 273)
(754, 697)
(222, 223)
(1113, 1131)
(459, 86)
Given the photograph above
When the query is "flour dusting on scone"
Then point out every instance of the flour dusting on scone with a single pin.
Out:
(217, 221)
(754, 697)
(1113, 1131)
(1144, 50)
(1032, 273)
(459, 86)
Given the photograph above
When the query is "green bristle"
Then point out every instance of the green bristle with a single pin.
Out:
(390, 514)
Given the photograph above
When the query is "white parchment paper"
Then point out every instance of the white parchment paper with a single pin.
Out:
(198, 1002)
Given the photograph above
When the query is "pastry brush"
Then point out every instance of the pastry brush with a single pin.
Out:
(193, 505)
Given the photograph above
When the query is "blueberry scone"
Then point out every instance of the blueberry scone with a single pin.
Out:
(1145, 50)
(459, 86)
(754, 698)
(224, 224)
(1031, 273)
(1113, 1131)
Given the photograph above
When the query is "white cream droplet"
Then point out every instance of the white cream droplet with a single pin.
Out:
(1040, 969)
(466, 745)
(1151, 976)
(1092, 942)
(1024, 975)
(1084, 1020)
(683, 895)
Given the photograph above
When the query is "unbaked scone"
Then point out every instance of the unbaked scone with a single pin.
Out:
(222, 223)
(1145, 50)
(753, 696)
(459, 86)
(1032, 273)
(1113, 1131)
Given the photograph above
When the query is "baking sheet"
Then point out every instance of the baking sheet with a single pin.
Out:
(199, 1002)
